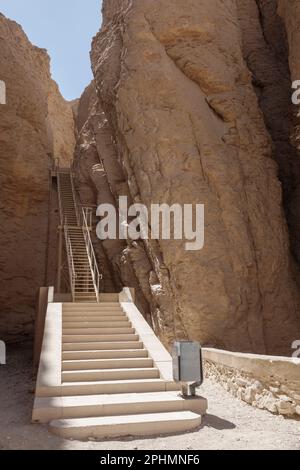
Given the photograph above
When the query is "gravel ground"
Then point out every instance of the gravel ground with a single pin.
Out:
(229, 424)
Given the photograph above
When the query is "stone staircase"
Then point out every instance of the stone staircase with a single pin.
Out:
(107, 375)
(102, 371)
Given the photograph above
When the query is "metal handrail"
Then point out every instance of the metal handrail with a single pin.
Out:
(91, 254)
(59, 198)
(70, 257)
(84, 221)
(88, 211)
(74, 197)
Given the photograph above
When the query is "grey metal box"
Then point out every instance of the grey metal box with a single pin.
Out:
(187, 361)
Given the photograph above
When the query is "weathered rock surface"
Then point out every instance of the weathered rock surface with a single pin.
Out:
(36, 125)
(290, 14)
(182, 113)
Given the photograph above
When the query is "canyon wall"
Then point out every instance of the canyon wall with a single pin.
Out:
(36, 126)
(190, 104)
(289, 11)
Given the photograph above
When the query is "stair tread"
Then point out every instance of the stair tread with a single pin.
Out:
(113, 382)
(134, 369)
(127, 419)
(105, 319)
(107, 350)
(115, 345)
(114, 398)
(94, 331)
(109, 374)
(95, 364)
(104, 354)
(96, 324)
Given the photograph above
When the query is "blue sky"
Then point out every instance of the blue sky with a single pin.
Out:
(65, 28)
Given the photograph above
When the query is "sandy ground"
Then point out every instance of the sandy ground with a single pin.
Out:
(229, 424)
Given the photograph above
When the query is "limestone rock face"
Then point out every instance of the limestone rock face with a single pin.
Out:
(289, 10)
(180, 112)
(290, 13)
(36, 126)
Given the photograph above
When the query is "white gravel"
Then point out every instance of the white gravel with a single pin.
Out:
(229, 424)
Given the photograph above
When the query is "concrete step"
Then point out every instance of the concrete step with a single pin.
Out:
(96, 324)
(84, 406)
(109, 374)
(98, 331)
(96, 338)
(88, 286)
(105, 387)
(92, 308)
(91, 298)
(99, 364)
(85, 294)
(133, 425)
(102, 346)
(85, 288)
(118, 386)
(101, 319)
(100, 304)
(85, 298)
(85, 313)
(104, 354)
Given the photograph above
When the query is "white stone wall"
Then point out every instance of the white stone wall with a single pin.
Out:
(265, 382)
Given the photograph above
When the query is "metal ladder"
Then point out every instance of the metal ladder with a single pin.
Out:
(76, 226)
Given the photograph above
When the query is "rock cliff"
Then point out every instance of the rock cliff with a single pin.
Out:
(36, 126)
(191, 104)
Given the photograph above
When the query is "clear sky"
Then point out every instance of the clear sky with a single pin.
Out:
(65, 28)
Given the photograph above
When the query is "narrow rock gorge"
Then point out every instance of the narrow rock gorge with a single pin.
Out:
(36, 127)
(192, 104)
